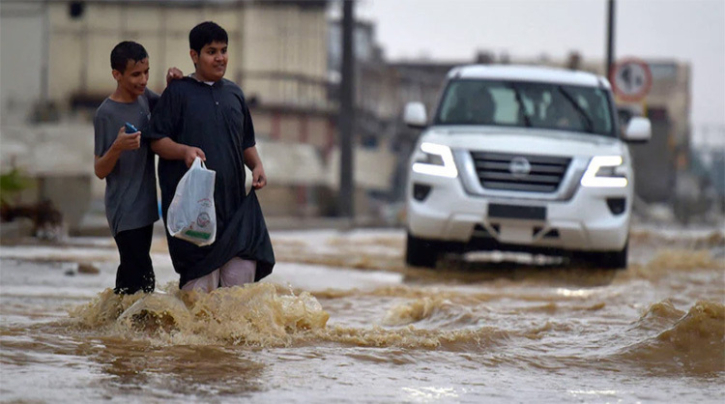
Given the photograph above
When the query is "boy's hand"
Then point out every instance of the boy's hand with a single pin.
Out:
(192, 153)
(259, 180)
(173, 74)
(127, 141)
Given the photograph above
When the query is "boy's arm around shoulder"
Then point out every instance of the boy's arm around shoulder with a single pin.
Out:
(165, 124)
(172, 74)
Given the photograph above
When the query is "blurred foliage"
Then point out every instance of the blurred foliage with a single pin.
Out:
(12, 182)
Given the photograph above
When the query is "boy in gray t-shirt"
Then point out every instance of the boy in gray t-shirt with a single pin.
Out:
(127, 164)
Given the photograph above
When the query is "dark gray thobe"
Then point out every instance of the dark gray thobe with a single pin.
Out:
(214, 118)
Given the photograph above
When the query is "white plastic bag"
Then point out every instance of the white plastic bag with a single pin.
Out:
(191, 215)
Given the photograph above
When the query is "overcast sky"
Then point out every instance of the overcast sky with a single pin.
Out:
(687, 30)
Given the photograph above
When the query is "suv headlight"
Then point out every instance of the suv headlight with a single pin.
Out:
(605, 172)
(436, 160)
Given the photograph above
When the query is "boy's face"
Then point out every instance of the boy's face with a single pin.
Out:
(211, 63)
(135, 78)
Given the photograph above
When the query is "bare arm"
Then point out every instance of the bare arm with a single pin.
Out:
(252, 160)
(105, 164)
(170, 150)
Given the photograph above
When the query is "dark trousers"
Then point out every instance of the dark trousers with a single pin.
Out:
(136, 271)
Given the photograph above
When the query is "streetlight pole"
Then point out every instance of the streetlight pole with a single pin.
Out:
(347, 112)
(610, 36)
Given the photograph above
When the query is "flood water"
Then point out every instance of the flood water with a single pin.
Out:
(343, 320)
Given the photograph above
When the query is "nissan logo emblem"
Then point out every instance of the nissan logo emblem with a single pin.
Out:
(520, 167)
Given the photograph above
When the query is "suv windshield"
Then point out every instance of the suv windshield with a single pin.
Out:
(525, 104)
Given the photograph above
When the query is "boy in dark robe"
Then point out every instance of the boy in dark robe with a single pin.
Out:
(206, 116)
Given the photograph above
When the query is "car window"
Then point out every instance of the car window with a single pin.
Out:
(507, 110)
(540, 105)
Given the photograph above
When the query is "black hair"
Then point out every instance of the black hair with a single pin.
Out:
(125, 51)
(206, 33)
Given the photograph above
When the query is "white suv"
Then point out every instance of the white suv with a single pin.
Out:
(521, 159)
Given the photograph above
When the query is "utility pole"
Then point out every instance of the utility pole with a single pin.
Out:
(347, 112)
(45, 56)
(610, 36)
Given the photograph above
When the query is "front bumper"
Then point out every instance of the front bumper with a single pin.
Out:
(584, 222)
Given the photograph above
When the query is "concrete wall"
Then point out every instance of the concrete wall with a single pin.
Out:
(21, 59)
(80, 47)
(70, 194)
(295, 127)
(277, 52)
(285, 59)
(60, 160)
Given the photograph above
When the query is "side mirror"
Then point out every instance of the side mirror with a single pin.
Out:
(415, 116)
(639, 130)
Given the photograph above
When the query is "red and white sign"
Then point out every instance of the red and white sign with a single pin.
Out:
(631, 79)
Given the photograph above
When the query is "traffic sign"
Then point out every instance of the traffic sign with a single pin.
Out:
(631, 79)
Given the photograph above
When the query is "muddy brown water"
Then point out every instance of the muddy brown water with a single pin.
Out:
(343, 320)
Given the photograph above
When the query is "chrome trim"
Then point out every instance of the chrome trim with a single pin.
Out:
(471, 184)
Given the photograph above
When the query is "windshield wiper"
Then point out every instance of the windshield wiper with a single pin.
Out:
(522, 108)
(588, 124)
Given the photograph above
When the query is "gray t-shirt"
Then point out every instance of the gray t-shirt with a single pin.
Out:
(131, 186)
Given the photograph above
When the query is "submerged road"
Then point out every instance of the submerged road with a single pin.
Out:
(343, 320)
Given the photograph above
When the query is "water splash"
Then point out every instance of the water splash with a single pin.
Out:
(659, 315)
(256, 314)
(694, 344)
(269, 315)
(412, 312)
